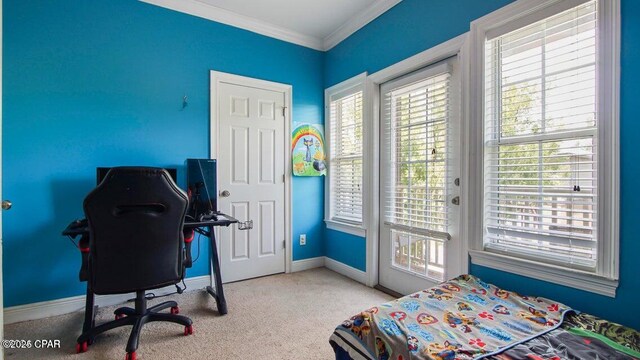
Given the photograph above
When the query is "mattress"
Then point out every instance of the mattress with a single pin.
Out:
(466, 318)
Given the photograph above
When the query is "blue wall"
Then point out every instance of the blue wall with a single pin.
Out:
(407, 29)
(416, 25)
(346, 248)
(100, 83)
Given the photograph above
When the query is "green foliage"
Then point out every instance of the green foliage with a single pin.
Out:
(522, 161)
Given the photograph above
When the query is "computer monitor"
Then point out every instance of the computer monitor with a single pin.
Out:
(202, 186)
(101, 172)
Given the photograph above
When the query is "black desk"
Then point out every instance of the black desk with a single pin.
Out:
(198, 226)
(206, 228)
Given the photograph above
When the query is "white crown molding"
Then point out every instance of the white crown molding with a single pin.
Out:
(214, 13)
(210, 12)
(357, 22)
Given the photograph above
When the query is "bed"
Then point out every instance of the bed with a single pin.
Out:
(466, 318)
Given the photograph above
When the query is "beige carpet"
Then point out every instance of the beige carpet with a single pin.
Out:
(288, 316)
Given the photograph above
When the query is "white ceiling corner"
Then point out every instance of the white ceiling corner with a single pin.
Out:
(361, 19)
(315, 24)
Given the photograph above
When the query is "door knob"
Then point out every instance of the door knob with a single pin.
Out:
(6, 204)
(225, 193)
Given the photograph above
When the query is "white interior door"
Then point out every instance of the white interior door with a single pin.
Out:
(251, 168)
(420, 162)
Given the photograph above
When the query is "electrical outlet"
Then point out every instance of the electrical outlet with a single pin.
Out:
(303, 239)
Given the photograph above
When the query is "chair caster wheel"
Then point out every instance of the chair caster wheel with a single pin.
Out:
(188, 330)
(82, 347)
(130, 356)
(175, 310)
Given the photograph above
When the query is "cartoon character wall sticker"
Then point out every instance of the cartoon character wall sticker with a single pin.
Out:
(308, 142)
(307, 150)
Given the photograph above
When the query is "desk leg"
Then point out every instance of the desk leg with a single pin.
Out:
(218, 292)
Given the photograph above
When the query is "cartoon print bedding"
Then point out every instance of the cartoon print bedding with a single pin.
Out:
(463, 318)
(581, 337)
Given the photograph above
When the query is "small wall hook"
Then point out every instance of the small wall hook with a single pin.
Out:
(184, 102)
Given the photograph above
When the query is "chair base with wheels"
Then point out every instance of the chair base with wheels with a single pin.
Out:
(135, 220)
(135, 317)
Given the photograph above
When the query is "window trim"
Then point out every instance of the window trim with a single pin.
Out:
(345, 227)
(605, 280)
(353, 228)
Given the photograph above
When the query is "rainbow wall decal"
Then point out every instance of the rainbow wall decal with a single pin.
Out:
(307, 130)
(307, 150)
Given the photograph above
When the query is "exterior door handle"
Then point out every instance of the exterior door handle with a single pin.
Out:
(225, 193)
(6, 204)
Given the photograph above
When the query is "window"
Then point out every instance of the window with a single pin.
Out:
(345, 115)
(417, 142)
(547, 167)
(417, 122)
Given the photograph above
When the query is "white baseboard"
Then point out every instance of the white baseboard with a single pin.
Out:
(50, 308)
(45, 309)
(331, 264)
(346, 270)
(306, 264)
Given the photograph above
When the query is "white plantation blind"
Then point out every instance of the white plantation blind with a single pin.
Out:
(346, 155)
(416, 121)
(541, 140)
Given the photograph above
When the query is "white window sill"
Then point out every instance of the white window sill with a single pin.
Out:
(352, 229)
(554, 274)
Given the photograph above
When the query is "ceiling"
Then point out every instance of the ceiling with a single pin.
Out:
(318, 24)
(317, 18)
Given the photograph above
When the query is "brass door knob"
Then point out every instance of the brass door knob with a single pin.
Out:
(6, 204)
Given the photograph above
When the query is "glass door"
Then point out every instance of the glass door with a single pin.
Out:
(420, 167)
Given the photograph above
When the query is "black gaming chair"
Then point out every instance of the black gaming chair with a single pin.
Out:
(136, 243)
